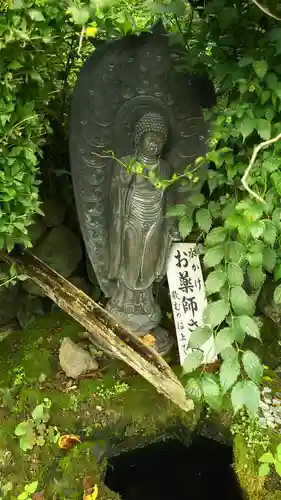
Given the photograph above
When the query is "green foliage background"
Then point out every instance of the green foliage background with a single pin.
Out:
(42, 45)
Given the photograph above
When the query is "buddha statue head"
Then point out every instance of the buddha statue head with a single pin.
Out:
(151, 135)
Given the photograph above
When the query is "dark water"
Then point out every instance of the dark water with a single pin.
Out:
(170, 471)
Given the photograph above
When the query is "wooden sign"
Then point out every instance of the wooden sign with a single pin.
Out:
(188, 297)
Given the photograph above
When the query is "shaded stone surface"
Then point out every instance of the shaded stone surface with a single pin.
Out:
(31, 288)
(36, 230)
(54, 212)
(61, 250)
(74, 360)
(81, 283)
(30, 308)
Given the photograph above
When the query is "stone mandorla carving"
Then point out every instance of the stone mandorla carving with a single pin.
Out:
(132, 112)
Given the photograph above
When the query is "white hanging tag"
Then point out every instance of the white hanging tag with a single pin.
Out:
(188, 297)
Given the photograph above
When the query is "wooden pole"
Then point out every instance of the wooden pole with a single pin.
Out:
(102, 327)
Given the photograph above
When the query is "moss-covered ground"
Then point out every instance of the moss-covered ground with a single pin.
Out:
(114, 403)
(111, 411)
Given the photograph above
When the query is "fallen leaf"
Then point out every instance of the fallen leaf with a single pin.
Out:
(68, 441)
(91, 31)
(38, 496)
(91, 495)
(212, 367)
(148, 340)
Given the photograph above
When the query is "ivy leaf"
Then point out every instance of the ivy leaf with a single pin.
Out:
(216, 236)
(36, 15)
(256, 277)
(224, 339)
(277, 272)
(260, 68)
(257, 228)
(27, 442)
(215, 281)
(242, 303)
(235, 274)
(34, 75)
(38, 412)
(276, 219)
(265, 96)
(216, 312)
(252, 366)
(80, 14)
(246, 394)
(204, 219)
(211, 391)
(264, 470)
(267, 458)
(192, 361)
(23, 496)
(229, 373)
(193, 389)
(247, 126)
(264, 128)
(277, 295)
(185, 226)
(228, 352)
(22, 428)
(31, 487)
(199, 336)
(214, 256)
(254, 259)
(239, 332)
(237, 396)
(177, 211)
(249, 326)
(234, 251)
(245, 61)
(276, 181)
(196, 199)
(270, 232)
(251, 397)
(250, 209)
(269, 259)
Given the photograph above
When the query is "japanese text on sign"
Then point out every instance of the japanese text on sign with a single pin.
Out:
(188, 297)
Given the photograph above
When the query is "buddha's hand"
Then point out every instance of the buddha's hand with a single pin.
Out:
(175, 235)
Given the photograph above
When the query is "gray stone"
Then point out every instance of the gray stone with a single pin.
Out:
(54, 212)
(30, 308)
(61, 250)
(74, 360)
(81, 283)
(36, 230)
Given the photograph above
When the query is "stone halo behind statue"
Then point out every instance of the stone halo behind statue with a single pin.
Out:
(130, 106)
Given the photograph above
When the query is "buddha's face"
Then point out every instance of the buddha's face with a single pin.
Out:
(151, 144)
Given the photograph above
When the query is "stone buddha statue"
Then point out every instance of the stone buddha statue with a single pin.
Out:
(133, 116)
(141, 235)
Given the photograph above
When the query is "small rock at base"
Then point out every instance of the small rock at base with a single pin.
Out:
(74, 360)
(30, 308)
